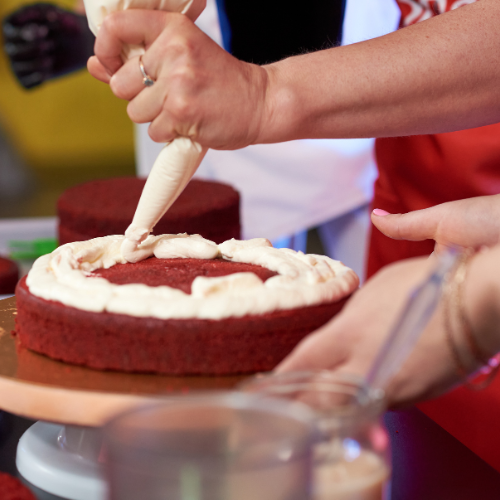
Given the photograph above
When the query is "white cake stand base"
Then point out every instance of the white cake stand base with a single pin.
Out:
(63, 460)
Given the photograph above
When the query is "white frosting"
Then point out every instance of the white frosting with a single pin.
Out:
(302, 280)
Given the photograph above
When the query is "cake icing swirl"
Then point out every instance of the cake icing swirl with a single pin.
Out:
(303, 280)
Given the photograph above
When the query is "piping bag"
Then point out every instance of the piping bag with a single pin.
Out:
(177, 161)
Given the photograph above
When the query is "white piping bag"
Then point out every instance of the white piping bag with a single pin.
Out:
(97, 10)
(178, 160)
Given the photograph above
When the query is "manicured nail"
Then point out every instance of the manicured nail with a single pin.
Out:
(380, 212)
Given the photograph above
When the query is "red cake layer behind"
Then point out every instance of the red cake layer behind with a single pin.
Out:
(9, 275)
(12, 489)
(106, 207)
(177, 273)
(105, 340)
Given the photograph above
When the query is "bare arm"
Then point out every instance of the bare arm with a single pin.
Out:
(439, 75)
(436, 76)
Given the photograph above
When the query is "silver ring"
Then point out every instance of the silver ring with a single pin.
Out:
(146, 79)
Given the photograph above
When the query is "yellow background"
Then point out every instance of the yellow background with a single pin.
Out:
(73, 122)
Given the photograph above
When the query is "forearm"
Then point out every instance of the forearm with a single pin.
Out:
(437, 76)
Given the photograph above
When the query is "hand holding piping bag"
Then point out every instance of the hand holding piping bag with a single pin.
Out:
(97, 10)
(179, 159)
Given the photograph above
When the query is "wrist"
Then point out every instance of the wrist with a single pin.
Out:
(481, 299)
(470, 318)
(464, 347)
(280, 112)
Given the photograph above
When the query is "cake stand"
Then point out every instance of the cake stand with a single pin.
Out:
(61, 454)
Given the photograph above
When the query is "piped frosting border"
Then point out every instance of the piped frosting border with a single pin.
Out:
(303, 280)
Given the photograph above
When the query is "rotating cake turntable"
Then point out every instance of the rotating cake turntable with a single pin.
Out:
(60, 454)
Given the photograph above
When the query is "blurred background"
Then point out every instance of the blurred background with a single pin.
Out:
(307, 195)
(63, 132)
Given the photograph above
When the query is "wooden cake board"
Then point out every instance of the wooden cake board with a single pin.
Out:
(37, 387)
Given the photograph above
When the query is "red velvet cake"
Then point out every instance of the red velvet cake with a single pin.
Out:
(9, 275)
(181, 315)
(105, 207)
(12, 489)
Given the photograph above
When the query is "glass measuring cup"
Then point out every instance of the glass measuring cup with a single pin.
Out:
(222, 446)
(352, 460)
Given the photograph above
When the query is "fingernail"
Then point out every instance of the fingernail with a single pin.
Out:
(380, 212)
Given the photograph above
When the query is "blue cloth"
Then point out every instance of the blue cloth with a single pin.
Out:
(225, 27)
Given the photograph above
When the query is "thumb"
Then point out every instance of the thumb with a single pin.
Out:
(414, 226)
(97, 70)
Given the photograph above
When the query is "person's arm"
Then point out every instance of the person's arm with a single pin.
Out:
(350, 342)
(439, 75)
(435, 76)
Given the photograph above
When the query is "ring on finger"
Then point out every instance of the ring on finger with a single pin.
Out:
(147, 80)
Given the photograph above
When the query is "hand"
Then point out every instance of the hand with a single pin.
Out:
(201, 91)
(195, 9)
(43, 41)
(473, 222)
(350, 342)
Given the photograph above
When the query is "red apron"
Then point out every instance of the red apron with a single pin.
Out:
(421, 171)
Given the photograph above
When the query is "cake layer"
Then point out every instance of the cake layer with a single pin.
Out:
(177, 273)
(105, 207)
(110, 341)
(9, 275)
